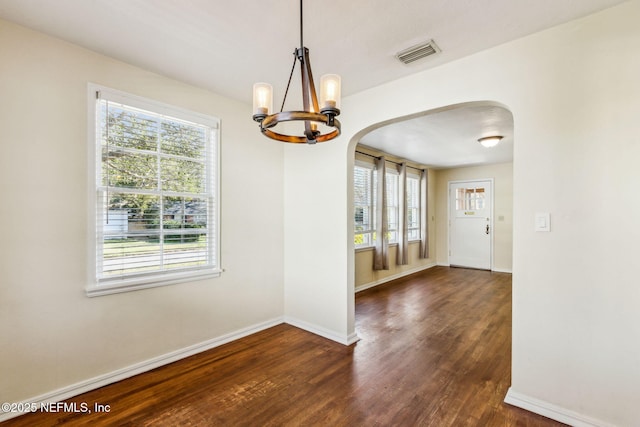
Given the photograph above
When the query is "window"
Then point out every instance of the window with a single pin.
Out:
(392, 206)
(470, 199)
(413, 207)
(364, 206)
(156, 193)
(365, 184)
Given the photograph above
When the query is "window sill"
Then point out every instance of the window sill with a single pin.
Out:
(130, 285)
(370, 248)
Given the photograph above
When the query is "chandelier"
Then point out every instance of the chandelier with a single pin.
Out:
(314, 113)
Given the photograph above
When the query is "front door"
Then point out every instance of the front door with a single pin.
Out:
(470, 223)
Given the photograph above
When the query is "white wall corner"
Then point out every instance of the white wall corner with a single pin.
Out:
(344, 339)
(552, 411)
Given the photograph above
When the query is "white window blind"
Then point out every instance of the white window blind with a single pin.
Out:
(156, 193)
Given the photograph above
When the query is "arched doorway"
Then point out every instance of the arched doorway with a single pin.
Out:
(444, 140)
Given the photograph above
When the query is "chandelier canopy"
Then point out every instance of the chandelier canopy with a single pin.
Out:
(314, 112)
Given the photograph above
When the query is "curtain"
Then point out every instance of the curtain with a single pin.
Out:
(381, 249)
(424, 214)
(402, 256)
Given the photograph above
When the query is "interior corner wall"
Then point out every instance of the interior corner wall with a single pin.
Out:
(574, 94)
(52, 335)
(502, 175)
(319, 290)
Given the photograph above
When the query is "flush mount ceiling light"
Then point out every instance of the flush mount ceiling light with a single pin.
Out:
(314, 113)
(490, 141)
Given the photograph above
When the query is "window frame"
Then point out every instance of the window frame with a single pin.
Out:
(97, 287)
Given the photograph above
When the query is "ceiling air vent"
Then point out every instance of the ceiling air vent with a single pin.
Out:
(417, 52)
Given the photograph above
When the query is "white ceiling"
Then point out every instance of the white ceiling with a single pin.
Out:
(226, 46)
(448, 138)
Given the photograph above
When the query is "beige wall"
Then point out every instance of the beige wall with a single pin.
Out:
(52, 335)
(502, 175)
(367, 277)
(574, 94)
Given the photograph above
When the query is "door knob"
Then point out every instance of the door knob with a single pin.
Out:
(487, 231)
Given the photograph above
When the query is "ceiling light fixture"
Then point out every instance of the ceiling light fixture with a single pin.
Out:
(490, 141)
(314, 112)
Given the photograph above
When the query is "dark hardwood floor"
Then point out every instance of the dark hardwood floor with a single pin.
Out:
(434, 351)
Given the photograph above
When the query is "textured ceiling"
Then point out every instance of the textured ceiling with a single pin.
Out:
(226, 46)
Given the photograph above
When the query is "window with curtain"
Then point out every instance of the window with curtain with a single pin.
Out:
(156, 193)
(365, 183)
(413, 207)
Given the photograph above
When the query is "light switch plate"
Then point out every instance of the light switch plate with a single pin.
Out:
(543, 221)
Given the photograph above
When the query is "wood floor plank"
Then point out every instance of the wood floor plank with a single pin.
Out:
(435, 350)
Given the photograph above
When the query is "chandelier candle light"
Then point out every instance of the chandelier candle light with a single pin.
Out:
(314, 112)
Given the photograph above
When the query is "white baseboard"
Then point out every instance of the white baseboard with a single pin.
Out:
(552, 411)
(318, 330)
(147, 365)
(393, 277)
(138, 368)
(497, 270)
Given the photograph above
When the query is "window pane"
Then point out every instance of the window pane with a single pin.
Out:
(392, 206)
(184, 213)
(131, 213)
(128, 128)
(413, 208)
(184, 232)
(182, 176)
(128, 255)
(479, 199)
(183, 140)
(129, 169)
(130, 234)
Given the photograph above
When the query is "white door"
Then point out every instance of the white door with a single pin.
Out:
(470, 224)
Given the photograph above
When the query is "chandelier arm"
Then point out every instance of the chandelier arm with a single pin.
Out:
(312, 87)
(293, 67)
(309, 130)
